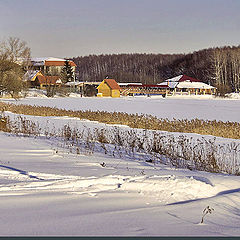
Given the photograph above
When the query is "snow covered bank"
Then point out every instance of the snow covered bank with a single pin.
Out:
(47, 191)
(193, 151)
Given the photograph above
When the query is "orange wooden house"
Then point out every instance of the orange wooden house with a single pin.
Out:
(37, 79)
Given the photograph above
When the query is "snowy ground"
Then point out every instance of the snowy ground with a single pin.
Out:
(170, 107)
(47, 191)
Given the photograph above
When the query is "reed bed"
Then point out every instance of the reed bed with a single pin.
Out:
(203, 127)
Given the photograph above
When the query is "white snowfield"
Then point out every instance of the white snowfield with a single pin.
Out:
(179, 107)
(45, 190)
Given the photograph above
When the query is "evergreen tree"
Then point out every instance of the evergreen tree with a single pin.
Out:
(67, 73)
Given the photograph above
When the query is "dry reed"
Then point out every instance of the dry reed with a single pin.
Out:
(203, 127)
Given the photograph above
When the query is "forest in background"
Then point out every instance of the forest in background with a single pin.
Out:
(219, 67)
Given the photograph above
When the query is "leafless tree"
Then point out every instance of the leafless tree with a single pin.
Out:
(14, 59)
(15, 50)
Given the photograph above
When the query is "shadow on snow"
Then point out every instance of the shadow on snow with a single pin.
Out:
(21, 172)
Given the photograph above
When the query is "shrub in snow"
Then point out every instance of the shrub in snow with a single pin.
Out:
(207, 210)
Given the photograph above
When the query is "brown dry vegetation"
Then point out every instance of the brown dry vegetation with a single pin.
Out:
(144, 145)
(203, 127)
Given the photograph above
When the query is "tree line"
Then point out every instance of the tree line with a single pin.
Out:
(219, 67)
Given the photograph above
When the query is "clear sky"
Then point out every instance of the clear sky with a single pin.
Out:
(67, 28)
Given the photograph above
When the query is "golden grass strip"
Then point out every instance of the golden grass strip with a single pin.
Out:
(203, 127)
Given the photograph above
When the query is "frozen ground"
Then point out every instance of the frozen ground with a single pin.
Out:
(170, 107)
(49, 192)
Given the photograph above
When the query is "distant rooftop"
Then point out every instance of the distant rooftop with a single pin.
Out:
(184, 81)
(42, 59)
(50, 61)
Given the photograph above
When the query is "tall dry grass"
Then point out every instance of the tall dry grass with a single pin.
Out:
(203, 127)
(144, 145)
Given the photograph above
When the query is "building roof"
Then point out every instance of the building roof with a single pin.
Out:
(186, 78)
(181, 78)
(50, 61)
(175, 82)
(198, 85)
(130, 84)
(30, 74)
(59, 63)
(174, 79)
(49, 79)
(167, 84)
(112, 84)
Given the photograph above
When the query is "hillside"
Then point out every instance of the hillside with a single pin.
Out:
(217, 66)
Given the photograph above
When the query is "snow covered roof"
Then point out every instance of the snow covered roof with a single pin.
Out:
(198, 85)
(30, 74)
(182, 78)
(47, 59)
(170, 84)
(73, 83)
(126, 84)
(175, 79)
(50, 61)
(184, 81)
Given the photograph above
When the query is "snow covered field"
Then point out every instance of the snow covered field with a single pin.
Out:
(49, 192)
(172, 107)
(45, 190)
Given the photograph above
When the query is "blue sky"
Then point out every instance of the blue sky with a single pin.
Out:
(67, 28)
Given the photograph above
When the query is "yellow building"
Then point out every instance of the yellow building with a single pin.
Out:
(31, 75)
(109, 88)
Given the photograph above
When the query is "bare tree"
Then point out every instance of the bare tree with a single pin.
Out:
(14, 58)
(15, 50)
(235, 67)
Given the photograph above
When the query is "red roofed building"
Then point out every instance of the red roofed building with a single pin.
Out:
(51, 66)
(184, 84)
(44, 81)
(47, 71)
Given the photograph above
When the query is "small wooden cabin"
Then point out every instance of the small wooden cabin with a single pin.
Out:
(109, 88)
